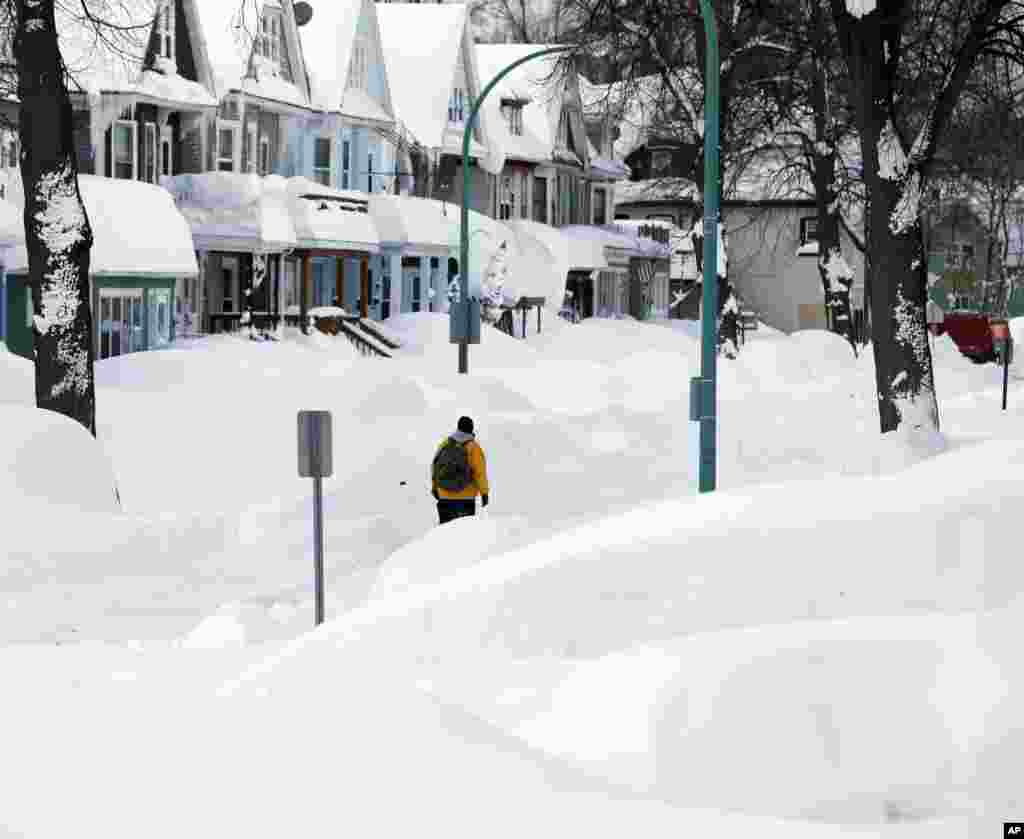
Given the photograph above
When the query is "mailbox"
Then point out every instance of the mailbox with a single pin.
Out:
(1002, 341)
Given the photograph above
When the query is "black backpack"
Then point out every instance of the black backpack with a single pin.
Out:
(451, 466)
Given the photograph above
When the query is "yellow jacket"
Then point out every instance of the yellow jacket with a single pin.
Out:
(477, 467)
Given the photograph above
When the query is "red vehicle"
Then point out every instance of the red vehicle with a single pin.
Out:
(971, 334)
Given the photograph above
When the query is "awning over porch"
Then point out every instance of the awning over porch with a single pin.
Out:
(137, 231)
(327, 219)
(617, 242)
(574, 253)
(228, 211)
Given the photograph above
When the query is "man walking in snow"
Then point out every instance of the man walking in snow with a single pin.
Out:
(459, 474)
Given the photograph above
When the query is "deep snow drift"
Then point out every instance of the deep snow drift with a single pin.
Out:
(824, 647)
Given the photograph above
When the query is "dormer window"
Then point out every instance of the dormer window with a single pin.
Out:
(456, 106)
(512, 111)
(268, 44)
(357, 71)
(165, 30)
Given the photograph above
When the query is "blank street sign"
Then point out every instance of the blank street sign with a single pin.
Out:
(315, 459)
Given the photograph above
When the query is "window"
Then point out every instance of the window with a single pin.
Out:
(600, 206)
(152, 174)
(513, 113)
(124, 144)
(227, 146)
(540, 199)
(264, 155)
(166, 163)
(523, 209)
(165, 30)
(357, 75)
(322, 160)
(456, 105)
(250, 147)
(808, 229)
(507, 207)
(369, 173)
(268, 41)
(563, 131)
(346, 152)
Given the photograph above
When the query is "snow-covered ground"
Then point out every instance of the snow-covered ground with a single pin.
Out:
(823, 647)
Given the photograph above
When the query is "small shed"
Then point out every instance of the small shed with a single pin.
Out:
(142, 246)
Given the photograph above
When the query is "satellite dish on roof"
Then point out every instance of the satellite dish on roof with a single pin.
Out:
(303, 13)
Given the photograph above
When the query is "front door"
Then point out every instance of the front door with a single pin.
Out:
(121, 325)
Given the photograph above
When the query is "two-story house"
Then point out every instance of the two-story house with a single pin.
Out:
(432, 66)
(140, 97)
(554, 175)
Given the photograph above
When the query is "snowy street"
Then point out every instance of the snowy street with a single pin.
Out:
(824, 647)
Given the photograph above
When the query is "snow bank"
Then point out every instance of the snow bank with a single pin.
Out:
(50, 459)
(17, 379)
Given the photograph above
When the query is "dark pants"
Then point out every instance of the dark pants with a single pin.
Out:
(455, 508)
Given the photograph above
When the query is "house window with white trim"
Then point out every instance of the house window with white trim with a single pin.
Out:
(322, 160)
(513, 113)
(228, 142)
(165, 31)
(369, 173)
(346, 163)
(357, 69)
(456, 106)
(250, 147)
(507, 207)
(166, 163)
(151, 174)
(124, 145)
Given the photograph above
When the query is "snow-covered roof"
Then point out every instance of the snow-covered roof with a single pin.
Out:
(623, 239)
(137, 231)
(327, 48)
(330, 219)
(421, 45)
(405, 220)
(234, 211)
(537, 83)
(229, 28)
(111, 60)
(360, 105)
(572, 252)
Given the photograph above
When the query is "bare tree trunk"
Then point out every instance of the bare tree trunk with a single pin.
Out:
(836, 273)
(57, 232)
(897, 278)
(904, 379)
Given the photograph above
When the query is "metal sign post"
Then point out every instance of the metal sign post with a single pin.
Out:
(315, 462)
(703, 401)
(465, 318)
(1002, 342)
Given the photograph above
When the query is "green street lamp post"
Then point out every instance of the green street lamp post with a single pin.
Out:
(465, 314)
(703, 408)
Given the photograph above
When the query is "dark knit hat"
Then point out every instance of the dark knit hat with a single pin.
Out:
(465, 425)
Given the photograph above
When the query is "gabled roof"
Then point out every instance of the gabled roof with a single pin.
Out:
(327, 44)
(112, 62)
(541, 84)
(229, 30)
(422, 45)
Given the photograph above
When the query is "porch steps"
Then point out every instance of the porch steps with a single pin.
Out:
(376, 332)
(363, 341)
